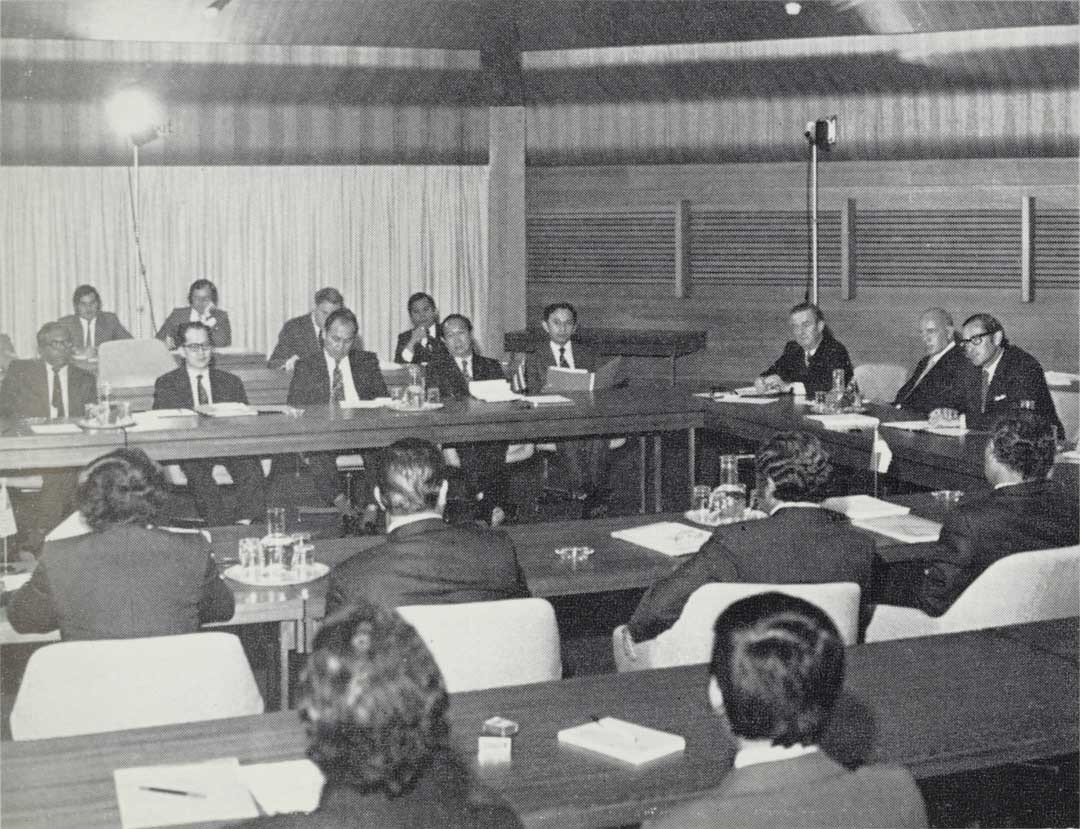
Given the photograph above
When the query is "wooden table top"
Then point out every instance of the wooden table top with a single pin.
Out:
(938, 704)
(628, 342)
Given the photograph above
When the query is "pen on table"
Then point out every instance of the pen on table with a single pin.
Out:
(162, 790)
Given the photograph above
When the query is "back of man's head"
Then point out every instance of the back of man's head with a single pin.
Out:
(410, 478)
(796, 463)
(779, 664)
(1024, 443)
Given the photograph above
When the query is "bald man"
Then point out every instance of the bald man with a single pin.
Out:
(943, 378)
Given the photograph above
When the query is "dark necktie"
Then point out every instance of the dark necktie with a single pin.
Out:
(465, 369)
(337, 389)
(57, 394)
(322, 341)
(984, 391)
(204, 398)
(562, 357)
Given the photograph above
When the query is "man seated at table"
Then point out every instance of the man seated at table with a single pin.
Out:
(1024, 511)
(89, 326)
(482, 479)
(48, 388)
(197, 384)
(374, 707)
(585, 459)
(1009, 378)
(202, 307)
(302, 336)
(800, 542)
(944, 377)
(339, 373)
(425, 560)
(420, 343)
(810, 356)
(776, 674)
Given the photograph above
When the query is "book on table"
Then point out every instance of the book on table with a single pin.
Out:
(626, 741)
(609, 375)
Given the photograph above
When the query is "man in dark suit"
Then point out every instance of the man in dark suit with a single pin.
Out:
(776, 673)
(202, 307)
(483, 472)
(424, 560)
(798, 543)
(89, 326)
(1009, 378)
(339, 373)
(420, 343)
(197, 384)
(1024, 511)
(944, 377)
(810, 357)
(48, 388)
(302, 336)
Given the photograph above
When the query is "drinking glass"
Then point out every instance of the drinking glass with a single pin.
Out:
(434, 395)
(275, 521)
(728, 500)
(250, 555)
(397, 393)
(699, 499)
(301, 547)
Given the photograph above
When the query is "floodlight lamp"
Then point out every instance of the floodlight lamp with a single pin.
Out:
(135, 114)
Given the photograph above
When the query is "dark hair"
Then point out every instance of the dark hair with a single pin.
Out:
(184, 327)
(339, 315)
(43, 332)
(419, 295)
(329, 295)
(199, 284)
(410, 475)
(82, 291)
(460, 318)
(373, 702)
(779, 663)
(122, 487)
(807, 306)
(796, 463)
(989, 322)
(1024, 442)
(559, 306)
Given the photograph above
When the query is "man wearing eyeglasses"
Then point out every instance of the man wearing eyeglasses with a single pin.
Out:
(1008, 375)
(48, 388)
(197, 384)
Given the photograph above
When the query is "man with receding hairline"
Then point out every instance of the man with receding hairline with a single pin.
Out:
(810, 357)
(944, 376)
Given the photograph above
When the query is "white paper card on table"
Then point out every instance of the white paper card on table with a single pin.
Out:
(377, 403)
(623, 740)
(845, 422)
(492, 391)
(908, 425)
(536, 400)
(230, 409)
(288, 786)
(55, 429)
(14, 581)
(216, 793)
(734, 397)
(668, 537)
(165, 413)
(863, 507)
(911, 529)
(924, 426)
(1069, 456)
(1060, 378)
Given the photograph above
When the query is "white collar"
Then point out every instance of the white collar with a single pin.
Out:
(395, 521)
(1010, 483)
(331, 363)
(800, 504)
(752, 752)
(935, 357)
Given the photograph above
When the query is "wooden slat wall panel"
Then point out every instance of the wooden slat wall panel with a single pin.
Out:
(761, 247)
(613, 247)
(1057, 248)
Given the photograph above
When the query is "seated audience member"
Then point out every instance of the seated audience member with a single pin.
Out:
(201, 307)
(89, 326)
(126, 578)
(423, 559)
(586, 459)
(7, 353)
(944, 377)
(799, 542)
(373, 704)
(302, 336)
(776, 673)
(483, 465)
(339, 373)
(197, 384)
(1008, 376)
(48, 388)
(1024, 511)
(810, 357)
(424, 339)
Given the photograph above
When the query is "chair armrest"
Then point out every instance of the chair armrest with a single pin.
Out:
(631, 655)
(893, 622)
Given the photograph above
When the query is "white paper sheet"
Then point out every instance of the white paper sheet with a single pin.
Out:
(845, 422)
(492, 391)
(911, 529)
(668, 537)
(864, 507)
(924, 426)
(733, 397)
(288, 786)
(216, 793)
(377, 403)
(623, 740)
(55, 429)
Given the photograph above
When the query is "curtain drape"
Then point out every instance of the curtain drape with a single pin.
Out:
(268, 237)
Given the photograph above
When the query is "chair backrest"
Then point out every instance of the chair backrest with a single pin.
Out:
(490, 644)
(880, 382)
(131, 363)
(1068, 413)
(88, 687)
(689, 641)
(1022, 587)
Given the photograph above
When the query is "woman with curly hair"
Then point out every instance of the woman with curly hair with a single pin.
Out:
(125, 578)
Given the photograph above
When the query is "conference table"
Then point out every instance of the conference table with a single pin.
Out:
(939, 705)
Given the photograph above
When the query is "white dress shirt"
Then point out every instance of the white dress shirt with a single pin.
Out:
(407, 352)
(568, 353)
(752, 752)
(346, 378)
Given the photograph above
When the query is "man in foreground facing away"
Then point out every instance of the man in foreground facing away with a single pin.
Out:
(776, 672)
(373, 704)
(424, 560)
(1024, 511)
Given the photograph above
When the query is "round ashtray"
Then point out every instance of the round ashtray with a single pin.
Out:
(948, 497)
(574, 554)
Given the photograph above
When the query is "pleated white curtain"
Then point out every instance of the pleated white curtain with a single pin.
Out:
(268, 237)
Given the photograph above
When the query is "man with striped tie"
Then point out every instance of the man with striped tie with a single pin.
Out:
(944, 376)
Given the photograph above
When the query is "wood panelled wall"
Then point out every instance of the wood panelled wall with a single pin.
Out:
(745, 311)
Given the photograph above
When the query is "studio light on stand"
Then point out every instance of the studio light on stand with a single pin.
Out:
(137, 117)
(820, 133)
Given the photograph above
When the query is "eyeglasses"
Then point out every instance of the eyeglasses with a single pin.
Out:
(198, 347)
(58, 343)
(977, 339)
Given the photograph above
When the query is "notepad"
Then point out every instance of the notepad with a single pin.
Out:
(668, 537)
(735, 397)
(492, 391)
(377, 403)
(227, 410)
(288, 786)
(864, 507)
(55, 429)
(960, 427)
(911, 529)
(845, 422)
(623, 740)
(537, 400)
(215, 793)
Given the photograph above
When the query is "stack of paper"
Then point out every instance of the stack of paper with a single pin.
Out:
(846, 422)
(170, 795)
(623, 740)
(377, 403)
(864, 507)
(667, 537)
(492, 391)
(535, 400)
(738, 397)
(161, 419)
(227, 410)
(55, 429)
(911, 529)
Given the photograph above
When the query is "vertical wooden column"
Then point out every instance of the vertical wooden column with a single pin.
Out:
(1027, 246)
(847, 250)
(506, 225)
(682, 248)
